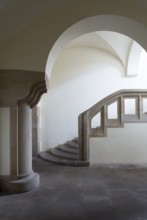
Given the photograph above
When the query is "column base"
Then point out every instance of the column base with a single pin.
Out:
(24, 184)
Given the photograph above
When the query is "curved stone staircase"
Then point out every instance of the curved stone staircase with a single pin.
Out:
(76, 151)
(65, 154)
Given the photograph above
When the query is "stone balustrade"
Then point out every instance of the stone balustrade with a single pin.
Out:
(130, 107)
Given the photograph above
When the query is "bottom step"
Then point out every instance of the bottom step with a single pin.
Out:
(54, 159)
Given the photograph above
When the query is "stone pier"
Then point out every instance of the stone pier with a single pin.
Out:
(20, 91)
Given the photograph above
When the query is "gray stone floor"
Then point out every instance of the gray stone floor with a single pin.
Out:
(87, 193)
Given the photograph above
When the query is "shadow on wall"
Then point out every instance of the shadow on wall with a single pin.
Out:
(75, 63)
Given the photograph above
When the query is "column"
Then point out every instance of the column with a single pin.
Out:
(24, 139)
(27, 179)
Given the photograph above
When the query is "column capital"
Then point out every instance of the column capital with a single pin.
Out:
(36, 91)
(27, 86)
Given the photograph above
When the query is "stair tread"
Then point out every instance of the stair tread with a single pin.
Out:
(50, 157)
(68, 149)
(56, 151)
(54, 159)
(76, 140)
(72, 144)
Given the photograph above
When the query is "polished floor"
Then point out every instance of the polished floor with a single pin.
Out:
(86, 193)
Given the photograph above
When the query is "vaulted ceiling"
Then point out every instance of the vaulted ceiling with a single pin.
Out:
(15, 15)
(123, 48)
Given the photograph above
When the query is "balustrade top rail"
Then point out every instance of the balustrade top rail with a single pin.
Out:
(121, 93)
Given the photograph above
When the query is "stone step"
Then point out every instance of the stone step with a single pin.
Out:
(54, 159)
(57, 152)
(72, 144)
(68, 149)
(76, 140)
(65, 154)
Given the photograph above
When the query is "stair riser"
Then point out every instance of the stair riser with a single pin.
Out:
(59, 153)
(72, 145)
(67, 149)
(56, 160)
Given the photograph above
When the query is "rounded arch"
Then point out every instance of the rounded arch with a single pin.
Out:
(120, 24)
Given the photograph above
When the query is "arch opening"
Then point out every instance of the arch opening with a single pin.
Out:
(114, 23)
(64, 41)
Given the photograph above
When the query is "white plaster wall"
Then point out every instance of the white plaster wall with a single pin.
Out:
(80, 78)
(122, 145)
(4, 141)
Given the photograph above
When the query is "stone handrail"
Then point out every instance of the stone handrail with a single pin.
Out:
(85, 119)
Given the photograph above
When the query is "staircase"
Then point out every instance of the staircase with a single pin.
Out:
(64, 154)
(76, 151)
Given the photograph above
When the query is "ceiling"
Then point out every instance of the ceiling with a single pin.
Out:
(121, 47)
(16, 14)
(116, 44)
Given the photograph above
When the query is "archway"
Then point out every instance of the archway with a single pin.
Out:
(120, 24)
(66, 37)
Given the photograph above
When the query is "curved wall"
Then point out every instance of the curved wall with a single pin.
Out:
(80, 77)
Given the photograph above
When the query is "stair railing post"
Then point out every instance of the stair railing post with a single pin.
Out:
(80, 136)
(84, 129)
